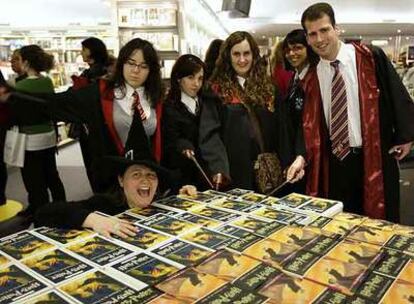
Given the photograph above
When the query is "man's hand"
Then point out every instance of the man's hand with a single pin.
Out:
(188, 190)
(296, 171)
(188, 153)
(401, 151)
(106, 225)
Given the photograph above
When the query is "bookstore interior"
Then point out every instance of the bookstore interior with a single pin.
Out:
(237, 246)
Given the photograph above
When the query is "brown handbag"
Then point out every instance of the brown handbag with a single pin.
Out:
(267, 168)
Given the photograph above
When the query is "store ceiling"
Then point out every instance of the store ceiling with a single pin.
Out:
(378, 18)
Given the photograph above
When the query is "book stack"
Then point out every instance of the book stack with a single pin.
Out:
(235, 247)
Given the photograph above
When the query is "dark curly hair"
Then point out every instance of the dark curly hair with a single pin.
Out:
(37, 58)
(185, 65)
(97, 49)
(259, 89)
(153, 84)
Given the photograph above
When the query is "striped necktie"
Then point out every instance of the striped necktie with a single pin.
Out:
(137, 106)
(339, 115)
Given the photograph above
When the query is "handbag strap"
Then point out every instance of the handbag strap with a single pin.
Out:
(257, 132)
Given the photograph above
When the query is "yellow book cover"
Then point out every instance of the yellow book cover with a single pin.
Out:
(403, 230)
(51, 297)
(399, 293)
(214, 213)
(354, 252)
(227, 265)
(289, 290)
(407, 274)
(379, 224)
(169, 224)
(4, 260)
(145, 238)
(339, 227)
(340, 275)
(294, 235)
(199, 220)
(271, 252)
(190, 285)
(274, 214)
(23, 245)
(294, 200)
(350, 217)
(177, 203)
(64, 236)
(207, 238)
(370, 235)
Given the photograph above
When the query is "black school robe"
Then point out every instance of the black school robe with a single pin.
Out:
(227, 142)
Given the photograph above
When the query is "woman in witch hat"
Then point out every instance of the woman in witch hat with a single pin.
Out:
(140, 181)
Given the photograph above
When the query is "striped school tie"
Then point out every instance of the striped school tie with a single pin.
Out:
(137, 106)
(339, 115)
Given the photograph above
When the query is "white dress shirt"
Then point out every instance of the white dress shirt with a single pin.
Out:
(241, 81)
(347, 67)
(126, 100)
(190, 102)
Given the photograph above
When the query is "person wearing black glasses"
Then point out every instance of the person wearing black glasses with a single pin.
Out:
(108, 108)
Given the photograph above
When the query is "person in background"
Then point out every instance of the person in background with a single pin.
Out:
(212, 54)
(140, 180)
(39, 171)
(181, 117)
(108, 107)
(17, 67)
(239, 83)
(357, 121)
(3, 168)
(95, 54)
(281, 76)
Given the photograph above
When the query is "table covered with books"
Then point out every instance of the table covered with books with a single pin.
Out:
(236, 247)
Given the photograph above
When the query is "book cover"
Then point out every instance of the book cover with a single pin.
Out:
(4, 260)
(234, 231)
(322, 244)
(338, 227)
(176, 202)
(403, 230)
(341, 276)
(332, 297)
(271, 252)
(374, 287)
(49, 297)
(407, 274)
(379, 224)
(322, 206)
(350, 217)
(144, 213)
(399, 292)
(300, 262)
(401, 243)
(97, 287)
(274, 214)
(285, 289)
(207, 238)
(256, 277)
(64, 236)
(24, 244)
(146, 268)
(234, 205)
(231, 293)
(145, 238)
(214, 213)
(199, 220)
(370, 235)
(227, 265)
(391, 265)
(294, 200)
(238, 191)
(16, 284)
(294, 235)
(218, 193)
(355, 252)
(99, 250)
(190, 285)
(184, 253)
(241, 244)
(56, 265)
(203, 197)
(129, 217)
(167, 224)
(253, 197)
(257, 226)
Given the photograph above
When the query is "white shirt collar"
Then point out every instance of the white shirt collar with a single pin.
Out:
(241, 81)
(302, 74)
(345, 53)
(189, 102)
(129, 91)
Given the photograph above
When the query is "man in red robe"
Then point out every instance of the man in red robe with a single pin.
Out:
(358, 121)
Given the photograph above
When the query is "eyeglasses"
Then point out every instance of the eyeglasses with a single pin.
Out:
(140, 66)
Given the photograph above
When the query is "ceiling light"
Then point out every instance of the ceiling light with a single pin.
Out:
(398, 31)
